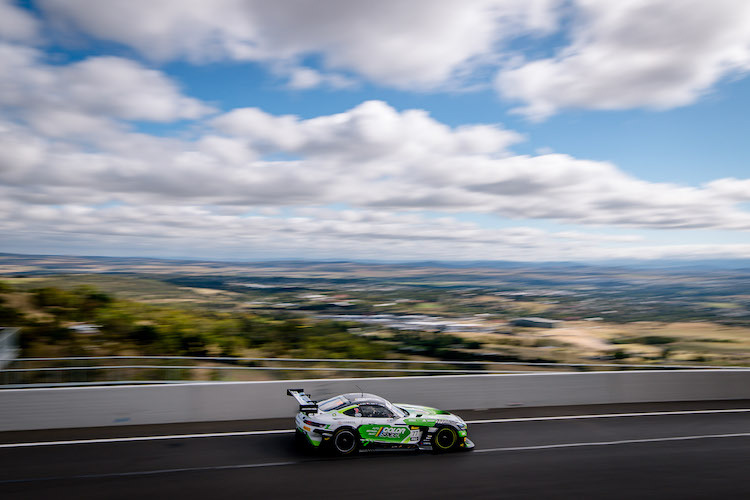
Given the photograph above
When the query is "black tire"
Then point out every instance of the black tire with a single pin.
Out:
(445, 439)
(344, 442)
(302, 444)
(300, 440)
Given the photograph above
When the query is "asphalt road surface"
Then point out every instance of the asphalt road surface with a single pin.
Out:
(659, 451)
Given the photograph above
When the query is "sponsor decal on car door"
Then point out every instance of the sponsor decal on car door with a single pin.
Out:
(384, 433)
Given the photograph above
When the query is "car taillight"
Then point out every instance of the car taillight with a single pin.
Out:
(314, 424)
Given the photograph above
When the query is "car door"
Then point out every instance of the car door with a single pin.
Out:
(380, 425)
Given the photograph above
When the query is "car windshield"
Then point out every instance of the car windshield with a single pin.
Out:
(399, 411)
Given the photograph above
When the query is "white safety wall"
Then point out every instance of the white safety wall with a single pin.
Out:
(25, 409)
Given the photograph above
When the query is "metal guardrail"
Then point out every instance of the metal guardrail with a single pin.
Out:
(162, 368)
(253, 368)
(661, 366)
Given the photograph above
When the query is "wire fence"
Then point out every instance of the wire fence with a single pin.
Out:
(96, 370)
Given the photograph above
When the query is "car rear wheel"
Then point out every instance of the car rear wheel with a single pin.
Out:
(344, 442)
(445, 439)
(300, 440)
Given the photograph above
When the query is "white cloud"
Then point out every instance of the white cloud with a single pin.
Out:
(168, 230)
(89, 96)
(369, 131)
(74, 169)
(304, 78)
(737, 190)
(654, 54)
(371, 156)
(124, 89)
(301, 78)
(420, 43)
(17, 24)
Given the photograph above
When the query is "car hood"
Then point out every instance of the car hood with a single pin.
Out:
(425, 410)
(426, 415)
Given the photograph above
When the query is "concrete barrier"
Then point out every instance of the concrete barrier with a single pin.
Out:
(25, 409)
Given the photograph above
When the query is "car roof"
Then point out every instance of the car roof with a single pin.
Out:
(364, 398)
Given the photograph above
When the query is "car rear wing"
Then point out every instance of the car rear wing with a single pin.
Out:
(306, 405)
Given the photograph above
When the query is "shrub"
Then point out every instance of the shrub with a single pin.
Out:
(646, 340)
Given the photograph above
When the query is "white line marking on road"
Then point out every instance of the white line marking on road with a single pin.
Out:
(286, 431)
(606, 415)
(143, 438)
(611, 443)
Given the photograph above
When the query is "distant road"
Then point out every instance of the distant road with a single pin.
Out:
(659, 451)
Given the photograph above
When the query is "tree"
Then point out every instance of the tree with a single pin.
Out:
(145, 334)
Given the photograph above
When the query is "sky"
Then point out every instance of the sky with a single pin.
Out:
(526, 130)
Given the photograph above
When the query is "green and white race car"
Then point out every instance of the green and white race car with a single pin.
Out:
(350, 422)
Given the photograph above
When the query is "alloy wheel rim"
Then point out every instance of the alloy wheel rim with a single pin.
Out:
(345, 442)
(446, 439)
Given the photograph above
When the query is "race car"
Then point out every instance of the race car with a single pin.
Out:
(357, 421)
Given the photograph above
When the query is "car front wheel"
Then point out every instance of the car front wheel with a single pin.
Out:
(445, 439)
